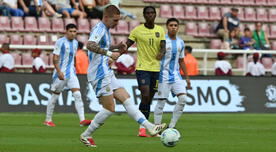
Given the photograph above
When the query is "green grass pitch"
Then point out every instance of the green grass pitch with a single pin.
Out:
(24, 132)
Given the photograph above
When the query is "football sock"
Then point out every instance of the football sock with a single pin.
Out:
(158, 111)
(178, 110)
(145, 109)
(51, 106)
(134, 113)
(98, 120)
(79, 105)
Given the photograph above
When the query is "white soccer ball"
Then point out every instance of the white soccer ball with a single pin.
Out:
(170, 137)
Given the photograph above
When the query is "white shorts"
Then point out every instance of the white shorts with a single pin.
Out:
(59, 85)
(164, 89)
(105, 86)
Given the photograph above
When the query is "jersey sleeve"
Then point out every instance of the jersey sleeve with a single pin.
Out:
(132, 35)
(57, 47)
(181, 55)
(96, 34)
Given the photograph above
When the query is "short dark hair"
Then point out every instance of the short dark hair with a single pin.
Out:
(234, 9)
(148, 7)
(69, 26)
(246, 29)
(189, 48)
(172, 20)
(111, 10)
(80, 45)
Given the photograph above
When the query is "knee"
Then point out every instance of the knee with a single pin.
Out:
(110, 107)
(77, 95)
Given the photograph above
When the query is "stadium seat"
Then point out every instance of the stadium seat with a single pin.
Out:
(189, 1)
(226, 2)
(271, 3)
(29, 39)
(251, 26)
(51, 59)
(133, 24)
(215, 44)
(225, 10)
(202, 13)
(4, 39)
(30, 24)
(261, 15)
(273, 31)
(57, 25)
(178, 11)
(165, 11)
(17, 58)
(119, 39)
(93, 22)
(17, 24)
(241, 14)
(43, 40)
(190, 12)
(44, 24)
(83, 39)
(273, 45)
(83, 26)
(202, 1)
(249, 2)
(261, 2)
(5, 23)
(214, 13)
(45, 57)
(249, 14)
(191, 29)
(122, 27)
(272, 15)
(266, 28)
(267, 62)
(237, 2)
(203, 29)
(27, 58)
(214, 2)
(113, 31)
(239, 62)
(16, 39)
(53, 39)
(69, 21)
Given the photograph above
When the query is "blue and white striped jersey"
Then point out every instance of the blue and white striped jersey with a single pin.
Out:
(169, 69)
(98, 63)
(66, 50)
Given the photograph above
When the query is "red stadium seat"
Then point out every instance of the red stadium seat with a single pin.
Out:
(44, 24)
(113, 31)
(271, 3)
(237, 2)
(267, 62)
(273, 45)
(190, 12)
(272, 15)
(202, 13)
(45, 58)
(43, 40)
(17, 58)
(251, 26)
(165, 11)
(69, 21)
(191, 29)
(5, 23)
(225, 10)
(27, 59)
(249, 2)
(273, 31)
(178, 11)
(266, 28)
(57, 25)
(17, 24)
(83, 38)
(133, 24)
(93, 22)
(16, 39)
(53, 39)
(215, 44)
(202, 1)
(29, 39)
(241, 14)
(214, 2)
(119, 39)
(249, 14)
(30, 24)
(214, 13)
(189, 1)
(122, 27)
(4, 39)
(226, 1)
(261, 2)
(83, 26)
(203, 29)
(261, 15)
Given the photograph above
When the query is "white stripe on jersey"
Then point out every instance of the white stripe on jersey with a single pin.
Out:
(66, 50)
(98, 64)
(169, 69)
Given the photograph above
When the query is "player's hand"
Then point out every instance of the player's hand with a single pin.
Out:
(60, 76)
(26, 10)
(115, 55)
(110, 62)
(188, 85)
(122, 47)
(159, 56)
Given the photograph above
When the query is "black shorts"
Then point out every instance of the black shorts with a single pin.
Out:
(148, 78)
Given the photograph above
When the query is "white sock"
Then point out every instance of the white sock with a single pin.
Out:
(51, 106)
(178, 110)
(79, 105)
(136, 114)
(98, 120)
(158, 111)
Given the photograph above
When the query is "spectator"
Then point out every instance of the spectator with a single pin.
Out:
(6, 60)
(228, 23)
(64, 7)
(246, 42)
(82, 62)
(190, 62)
(89, 7)
(232, 43)
(31, 7)
(12, 8)
(255, 68)
(125, 64)
(222, 67)
(38, 64)
(3, 9)
(260, 37)
(48, 7)
(273, 69)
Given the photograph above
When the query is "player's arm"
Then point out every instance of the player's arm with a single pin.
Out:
(181, 62)
(94, 47)
(162, 50)
(56, 65)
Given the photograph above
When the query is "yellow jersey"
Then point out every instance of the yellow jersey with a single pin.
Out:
(148, 46)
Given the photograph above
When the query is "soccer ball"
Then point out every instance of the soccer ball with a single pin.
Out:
(170, 137)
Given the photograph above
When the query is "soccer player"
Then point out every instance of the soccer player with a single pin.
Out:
(65, 74)
(151, 46)
(103, 80)
(170, 79)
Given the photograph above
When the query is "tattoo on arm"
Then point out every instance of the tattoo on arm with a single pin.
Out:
(129, 43)
(162, 46)
(94, 47)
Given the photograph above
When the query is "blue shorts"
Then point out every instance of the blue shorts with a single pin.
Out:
(148, 78)
(69, 10)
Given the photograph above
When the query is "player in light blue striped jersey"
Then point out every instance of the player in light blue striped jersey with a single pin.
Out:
(170, 79)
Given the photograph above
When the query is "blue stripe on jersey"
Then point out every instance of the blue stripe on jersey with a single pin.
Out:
(99, 86)
(71, 55)
(172, 61)
(90, 56)
(103, 42)
(161, 70)
(100, 71)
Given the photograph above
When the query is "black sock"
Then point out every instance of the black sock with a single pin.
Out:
(145, 109)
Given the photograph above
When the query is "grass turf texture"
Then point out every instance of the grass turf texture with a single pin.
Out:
(24, 132)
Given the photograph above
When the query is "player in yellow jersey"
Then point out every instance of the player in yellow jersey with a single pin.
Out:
(151, 46)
